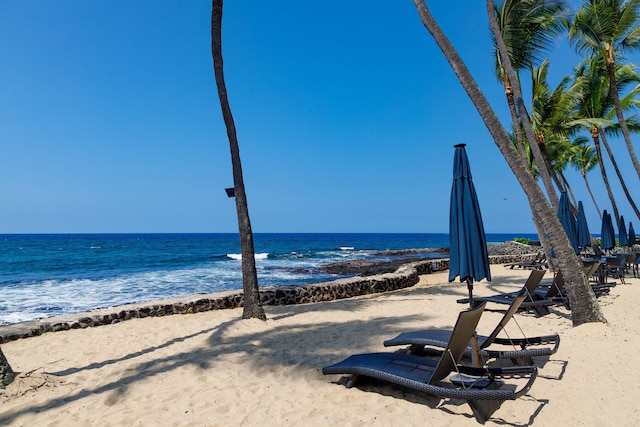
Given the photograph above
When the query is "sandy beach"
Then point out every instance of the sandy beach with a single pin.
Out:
(214, 369)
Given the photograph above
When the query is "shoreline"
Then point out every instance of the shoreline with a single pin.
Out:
(405, 275)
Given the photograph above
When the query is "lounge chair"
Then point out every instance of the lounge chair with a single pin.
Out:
(538, 300)
(417, 340)
(428, 375)
(540, 263)
(615, 267)
(596, 271)
(628, 268)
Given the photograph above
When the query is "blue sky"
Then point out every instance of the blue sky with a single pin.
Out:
(346, 113)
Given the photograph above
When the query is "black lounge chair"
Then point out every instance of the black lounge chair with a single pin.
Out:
(539, 263)
(428, 375)
(595, 271)
(528, 347)
(615, 267)
(538, 300)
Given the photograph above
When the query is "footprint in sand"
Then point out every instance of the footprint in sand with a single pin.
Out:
(115, 396)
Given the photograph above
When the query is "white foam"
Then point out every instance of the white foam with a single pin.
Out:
(238, 257)
(346, 248)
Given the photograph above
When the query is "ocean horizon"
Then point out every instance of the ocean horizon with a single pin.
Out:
(45, 275)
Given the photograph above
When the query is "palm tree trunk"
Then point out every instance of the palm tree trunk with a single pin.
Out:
(615, 167)
(584, 306)
(595, 134)
(623, 124)
(574, 202)
(514, 118)
(6, 373)
(542, 235)
(586, 182)
(522, 110)
(251, 300)
(544, 240)
(556, 180)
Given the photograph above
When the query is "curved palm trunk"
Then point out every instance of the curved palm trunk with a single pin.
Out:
(6, 373)
(514, 118)
(616, 102)
(542, 235)
(560, 184)
(595, 134)
(615, 167)
(573, 205)
(586, 182)
(251, 299)
(522, 110)
(584, 306)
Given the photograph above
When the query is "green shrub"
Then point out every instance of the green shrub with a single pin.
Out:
(523, 240)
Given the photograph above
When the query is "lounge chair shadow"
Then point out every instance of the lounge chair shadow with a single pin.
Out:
(490, 408)
(554, 369)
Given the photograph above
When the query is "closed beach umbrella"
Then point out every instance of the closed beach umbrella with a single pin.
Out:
(607, 239)
(582, 229)
(568, 221)
(632, 235)
(469, 257)
(622, 233)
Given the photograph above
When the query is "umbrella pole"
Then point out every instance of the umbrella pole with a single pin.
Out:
(475, 355)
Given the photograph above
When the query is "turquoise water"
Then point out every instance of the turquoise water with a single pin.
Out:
(50, 275)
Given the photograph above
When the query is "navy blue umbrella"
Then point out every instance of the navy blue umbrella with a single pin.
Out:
(469, 257)
(582, 229)
(632, 235)
(568, 221)
(622, 233)
(607, 239)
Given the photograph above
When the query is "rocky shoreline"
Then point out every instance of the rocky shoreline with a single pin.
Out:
(402, 276)
(390, 261)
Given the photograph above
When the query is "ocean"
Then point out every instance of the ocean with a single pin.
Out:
(44, 275)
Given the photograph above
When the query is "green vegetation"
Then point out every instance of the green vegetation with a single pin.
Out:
(523, 240)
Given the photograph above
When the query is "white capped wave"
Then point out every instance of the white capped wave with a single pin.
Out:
(346, 248)
(238, 257)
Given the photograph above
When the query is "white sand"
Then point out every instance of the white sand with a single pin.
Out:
(214, 369)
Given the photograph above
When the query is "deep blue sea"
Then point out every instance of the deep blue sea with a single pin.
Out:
(56, 274)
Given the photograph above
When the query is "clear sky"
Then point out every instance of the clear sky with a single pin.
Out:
(346, 113)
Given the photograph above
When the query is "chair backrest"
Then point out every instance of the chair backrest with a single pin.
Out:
(617, 261)
(590, 269)
(530, 285)
(596, 250)
(555, 290)
(460, 336)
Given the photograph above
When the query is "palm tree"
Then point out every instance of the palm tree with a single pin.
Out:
(528, 28)
(597, 110)
(607, 28)
(551, 113)
(6, 373)
(584, 306)
(584, 160)
(631, 124)
(251, 299)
